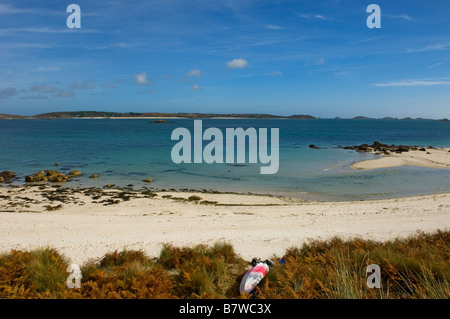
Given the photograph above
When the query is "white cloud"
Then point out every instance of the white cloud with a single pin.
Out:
(274, 27)
(25, 45)
(7, 8)
(237, 64)
(305, 16)
(411, 83)
(320, 62)
(45, 69)
(434, 65)
(195, 73)
(400, 16)
(427, 48)
(141, 78)
(314, 16)
(10, 31)
(274, 73)
(120, 45)
(196, 87)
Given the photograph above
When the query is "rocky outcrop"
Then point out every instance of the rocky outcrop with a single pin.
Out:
(7, 176)
(378, 147)
(51, 176)
(47, 176)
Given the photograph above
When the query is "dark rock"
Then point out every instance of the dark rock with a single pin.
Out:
(51, 208)
(8, 175)
(75, 173)
(39, 175)
(47, 176)
(402, 149)
(194, 198)
(236, 165)
(378, 147)
(314, 146)
(161, 121)
(363, 148)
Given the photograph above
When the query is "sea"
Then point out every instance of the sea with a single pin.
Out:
(124, 152)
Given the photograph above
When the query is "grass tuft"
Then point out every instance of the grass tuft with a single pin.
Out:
(417, 267)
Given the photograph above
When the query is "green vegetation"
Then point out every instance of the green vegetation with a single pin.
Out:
(99, 114)
(416, 267)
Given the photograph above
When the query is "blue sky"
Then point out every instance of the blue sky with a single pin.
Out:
(228, 56)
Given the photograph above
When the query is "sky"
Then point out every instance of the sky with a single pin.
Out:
(229, 56)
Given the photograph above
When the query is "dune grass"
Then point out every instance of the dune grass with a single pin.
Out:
(417, 267)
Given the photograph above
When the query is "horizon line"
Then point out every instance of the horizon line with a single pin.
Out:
(113, 114)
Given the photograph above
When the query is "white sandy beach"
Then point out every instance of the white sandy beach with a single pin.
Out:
(432, 157)
(256, 225)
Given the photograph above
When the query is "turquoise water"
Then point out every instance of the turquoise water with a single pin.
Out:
(126, 151)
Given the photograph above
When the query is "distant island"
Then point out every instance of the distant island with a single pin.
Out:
(118, 115)
(98, 114)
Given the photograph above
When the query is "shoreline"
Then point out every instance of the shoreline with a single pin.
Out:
(144, 187)
(87, 223)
